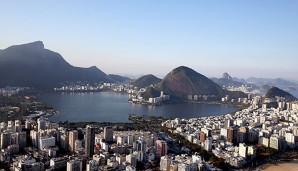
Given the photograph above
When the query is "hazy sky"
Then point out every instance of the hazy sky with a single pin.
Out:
(245, 38)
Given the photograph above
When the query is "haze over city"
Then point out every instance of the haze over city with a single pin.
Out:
(252, 38)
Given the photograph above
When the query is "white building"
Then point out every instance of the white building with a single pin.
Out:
(224, 133)
(208, 144)
(18, 126)
(264, 141)
(46, 141)
(275, 142)
(251, 151)
(165, 162)
(290, 138)
(243, 150)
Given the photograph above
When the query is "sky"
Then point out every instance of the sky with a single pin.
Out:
(244, 38)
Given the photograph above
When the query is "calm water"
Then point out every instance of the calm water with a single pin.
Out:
(114, 107)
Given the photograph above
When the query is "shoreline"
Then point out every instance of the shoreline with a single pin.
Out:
(238, 105)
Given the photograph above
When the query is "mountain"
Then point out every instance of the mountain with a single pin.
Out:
(119, 79)
(274, 91)
(183, 81)
(226, 81)
(34, 66)
(146, 81)
(226, 76)
(241, 80)
(272, 82)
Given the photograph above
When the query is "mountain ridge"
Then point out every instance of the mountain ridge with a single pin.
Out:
(34, 66)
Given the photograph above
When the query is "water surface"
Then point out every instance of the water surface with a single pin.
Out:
(114, 107)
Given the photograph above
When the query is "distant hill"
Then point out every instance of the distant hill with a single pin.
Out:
(146, 81)
(33, 65)
(226, 81)
(272, 82)
(226, 76)
(183, 81)
(120, 79)
(274, 91)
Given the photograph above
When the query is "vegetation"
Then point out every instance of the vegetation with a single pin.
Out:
(119, 78)
(183, 81)
(266, 151)
(274, 91)
(150, 92)
(145, 123)
(234, 94)
(146, 81)
(15, 107)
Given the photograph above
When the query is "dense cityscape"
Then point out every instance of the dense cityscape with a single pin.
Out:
(265, 131)
(153, 85)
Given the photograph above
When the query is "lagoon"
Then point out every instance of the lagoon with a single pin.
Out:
(114, 107)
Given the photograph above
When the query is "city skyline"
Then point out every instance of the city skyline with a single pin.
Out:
(137, 37)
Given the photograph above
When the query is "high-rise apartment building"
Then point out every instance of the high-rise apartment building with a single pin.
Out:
(73, 136)
(89, 141)
(108, 134)
(161, 148)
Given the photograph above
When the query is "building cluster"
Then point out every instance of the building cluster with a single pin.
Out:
(12, 139)
(246, 101)
(195, 97)
(228, 136)
(184, 163)
(38, 144)
(226, 99)
(79, 87)
(10, 91)
(135, 93)
(152, 100)
(247, 89)
(43, 145)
